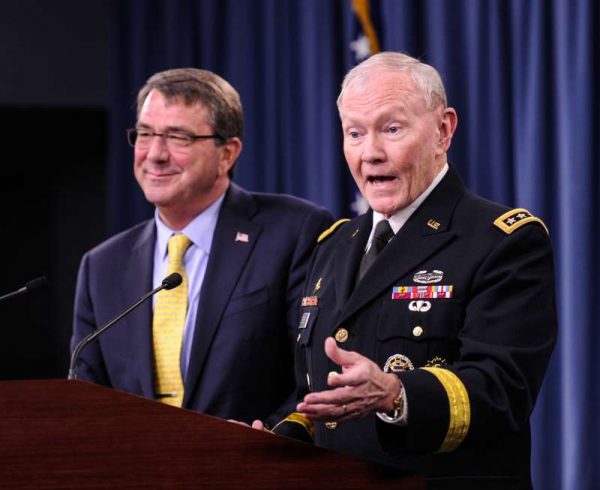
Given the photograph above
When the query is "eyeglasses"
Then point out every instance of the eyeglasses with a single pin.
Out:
(175, 140)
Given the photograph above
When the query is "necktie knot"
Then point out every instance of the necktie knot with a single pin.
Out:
(177, 246)
(383, 234)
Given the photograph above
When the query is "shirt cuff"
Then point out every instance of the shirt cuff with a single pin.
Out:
(400, 415)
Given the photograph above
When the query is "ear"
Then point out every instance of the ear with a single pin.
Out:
(447, 125)
(230, 151)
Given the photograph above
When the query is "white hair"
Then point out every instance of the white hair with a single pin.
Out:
(425, 76)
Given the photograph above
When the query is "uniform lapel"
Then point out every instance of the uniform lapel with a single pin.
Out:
(427, 230)
(137, 280)
(348, 253)
(228, 257)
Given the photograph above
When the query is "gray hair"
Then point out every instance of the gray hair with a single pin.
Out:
(425, 76)
(192, 86)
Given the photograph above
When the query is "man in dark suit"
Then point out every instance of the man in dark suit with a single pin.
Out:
(427, 323)
(221, 345)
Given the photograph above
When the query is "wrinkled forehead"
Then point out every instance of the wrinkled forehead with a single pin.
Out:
(380, 92)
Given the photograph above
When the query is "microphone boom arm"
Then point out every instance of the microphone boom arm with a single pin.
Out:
(170, 282)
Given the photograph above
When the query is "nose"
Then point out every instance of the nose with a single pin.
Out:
(373, 151)
(157, 151)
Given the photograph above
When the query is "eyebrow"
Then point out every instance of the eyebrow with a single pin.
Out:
(180, 129)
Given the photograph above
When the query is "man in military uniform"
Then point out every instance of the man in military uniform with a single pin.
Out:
(427, 323)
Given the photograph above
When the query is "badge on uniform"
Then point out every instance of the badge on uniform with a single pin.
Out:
(310, 301)
(424, 277)
(304, 319)
(437, 362)
(419, 306)
(398, 363)
(422, 292)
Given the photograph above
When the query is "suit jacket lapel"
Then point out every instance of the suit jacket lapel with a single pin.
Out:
(138, 324)
(427, 230)
(226, 262)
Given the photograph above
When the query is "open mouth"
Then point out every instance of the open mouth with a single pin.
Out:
(379, 179)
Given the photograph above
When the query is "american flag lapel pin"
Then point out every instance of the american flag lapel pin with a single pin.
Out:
(242, 237)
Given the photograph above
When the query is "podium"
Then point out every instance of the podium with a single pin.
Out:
(73, 434)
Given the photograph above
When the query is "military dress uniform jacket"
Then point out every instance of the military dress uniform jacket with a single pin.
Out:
(461, 305)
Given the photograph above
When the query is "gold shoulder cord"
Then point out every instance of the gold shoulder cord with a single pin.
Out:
(331, 229)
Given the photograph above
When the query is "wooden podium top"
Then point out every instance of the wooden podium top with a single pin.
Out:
(73, 434)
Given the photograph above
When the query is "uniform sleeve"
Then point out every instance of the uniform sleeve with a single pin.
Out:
(506, 340)
(90, 366)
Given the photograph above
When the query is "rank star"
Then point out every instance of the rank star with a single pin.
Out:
(510, 221)
(521, 215)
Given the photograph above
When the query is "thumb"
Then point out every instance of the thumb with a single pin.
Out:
(338, 355)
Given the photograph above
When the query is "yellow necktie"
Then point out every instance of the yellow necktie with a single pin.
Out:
(170, 311)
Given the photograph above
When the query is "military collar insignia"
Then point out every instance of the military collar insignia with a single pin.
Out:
(397, 363)
(424, 277)
(433, 223)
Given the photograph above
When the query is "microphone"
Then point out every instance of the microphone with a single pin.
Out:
(169, 282)
(31, 286)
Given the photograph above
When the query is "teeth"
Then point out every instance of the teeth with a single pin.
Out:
(379, 179)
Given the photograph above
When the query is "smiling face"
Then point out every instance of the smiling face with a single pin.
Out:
(181, 182)
(393, 142)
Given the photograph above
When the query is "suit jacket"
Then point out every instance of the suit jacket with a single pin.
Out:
(241, 363)
(470, 347)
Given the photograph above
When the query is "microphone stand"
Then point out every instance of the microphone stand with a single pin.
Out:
(170, 282)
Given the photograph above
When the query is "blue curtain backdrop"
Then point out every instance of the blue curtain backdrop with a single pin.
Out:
(522, 75)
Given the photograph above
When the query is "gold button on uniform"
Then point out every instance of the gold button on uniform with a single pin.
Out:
(418, 331)
(331, 425)
(341, 335)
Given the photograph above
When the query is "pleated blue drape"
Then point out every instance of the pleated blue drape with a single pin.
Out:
(523, 76)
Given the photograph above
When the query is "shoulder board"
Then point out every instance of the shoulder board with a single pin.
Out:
(515, 218)
(331, 229)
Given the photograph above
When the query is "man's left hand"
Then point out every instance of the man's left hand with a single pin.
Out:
(360, 389)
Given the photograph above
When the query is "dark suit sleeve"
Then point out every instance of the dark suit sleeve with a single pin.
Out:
(506, 340)
(314, 224)
(90, 366)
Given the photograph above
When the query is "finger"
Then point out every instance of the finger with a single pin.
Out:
(336, 396)
(321, 412)
(331, 413)
(338, 355)
(355, 375)
(258, 425)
